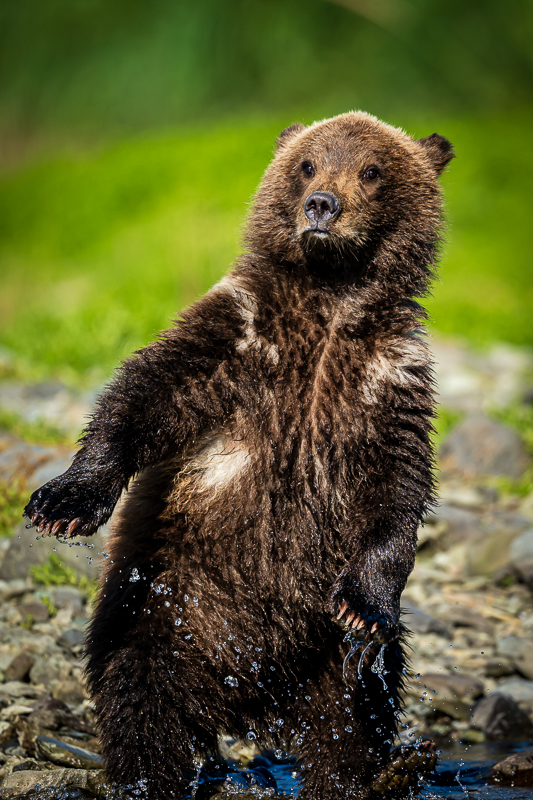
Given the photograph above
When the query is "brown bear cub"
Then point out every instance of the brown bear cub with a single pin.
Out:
(275, 445)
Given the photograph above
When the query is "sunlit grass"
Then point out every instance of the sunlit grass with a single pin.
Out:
(99, 251)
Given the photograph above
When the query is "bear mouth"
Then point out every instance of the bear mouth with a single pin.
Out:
(316, 231)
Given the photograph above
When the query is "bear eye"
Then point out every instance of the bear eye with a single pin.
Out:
(371, 174)
(308, 169)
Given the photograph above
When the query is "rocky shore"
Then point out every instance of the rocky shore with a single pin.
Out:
(469, 601)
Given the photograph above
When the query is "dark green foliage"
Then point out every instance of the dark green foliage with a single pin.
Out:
(99, 65)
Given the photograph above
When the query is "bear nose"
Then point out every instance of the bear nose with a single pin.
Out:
(321, 207)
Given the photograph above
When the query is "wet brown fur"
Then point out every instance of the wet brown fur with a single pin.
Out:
(280, 438)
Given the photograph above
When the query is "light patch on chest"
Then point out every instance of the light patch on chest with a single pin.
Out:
(218, 463)
(398, 362)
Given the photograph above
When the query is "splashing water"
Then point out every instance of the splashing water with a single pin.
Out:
(135, 575)
(378, 667)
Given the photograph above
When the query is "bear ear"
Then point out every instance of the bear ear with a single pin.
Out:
(439, 150)
(288, 133)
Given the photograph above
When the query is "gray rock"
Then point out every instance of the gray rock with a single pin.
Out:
(71, 638)
(28, 548)
(14, 587)
(70, 691)
(520, 651)
(517, 688)
(521, 557)
(499, 717)
(50, 401)
(420, 622)
(464, 617)
(19, 667)
(458, 524)
(515, 770)
(479, 446)
(66, 754)
(453, 695)
(488, 550)
(16, 689)
(69, 597)
(34, 609)
(46, 669)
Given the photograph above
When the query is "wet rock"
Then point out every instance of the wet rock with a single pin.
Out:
(25, 765)
(478, 446)
(66, 754)
(420, 622)
(515, 770)
(29, 548)
(19, 667)
(499, 717)
(521, 557)
(29, 781)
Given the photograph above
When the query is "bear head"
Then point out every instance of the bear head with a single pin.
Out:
(352, 196)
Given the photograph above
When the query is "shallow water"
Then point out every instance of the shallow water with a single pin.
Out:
(462, 773)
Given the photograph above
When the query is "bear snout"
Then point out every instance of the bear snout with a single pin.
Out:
(320, 207)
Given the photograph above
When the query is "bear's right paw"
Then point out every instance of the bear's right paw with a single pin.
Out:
(66, 507)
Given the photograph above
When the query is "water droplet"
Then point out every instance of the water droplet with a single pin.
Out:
(186, 598)
(175, 653)
(231, 681)
(177, 622)
(167, 603)
(251, 735)
(135, 575)
(278, 753)
(335, 735)
(348, 729)
(279, 722)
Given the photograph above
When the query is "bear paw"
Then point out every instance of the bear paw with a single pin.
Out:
(67, 508)
(403, 772)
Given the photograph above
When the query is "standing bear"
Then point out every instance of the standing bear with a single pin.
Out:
(275, 445)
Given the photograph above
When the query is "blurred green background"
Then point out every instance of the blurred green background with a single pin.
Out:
(133, 134)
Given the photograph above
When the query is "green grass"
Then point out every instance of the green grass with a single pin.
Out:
(13, 498)
(99, 250)
(38, 432)
(53, 573)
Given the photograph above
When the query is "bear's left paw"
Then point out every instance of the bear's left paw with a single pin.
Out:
(403, 772)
